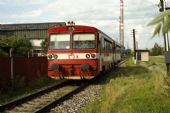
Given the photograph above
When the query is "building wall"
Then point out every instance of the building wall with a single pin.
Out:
(144, 56)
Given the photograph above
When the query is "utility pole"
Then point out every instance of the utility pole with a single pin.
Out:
(134, 44)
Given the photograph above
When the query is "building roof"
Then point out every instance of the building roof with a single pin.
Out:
(29, 26)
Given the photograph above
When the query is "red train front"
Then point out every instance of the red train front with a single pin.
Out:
(74, 52)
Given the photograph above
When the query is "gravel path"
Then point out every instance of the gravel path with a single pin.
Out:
(78, 101)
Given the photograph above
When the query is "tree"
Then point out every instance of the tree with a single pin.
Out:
(21, 46)
(156, 50)
(163, 23)
(2, 53)
(4, 46)
(44, 45)
(128, 52)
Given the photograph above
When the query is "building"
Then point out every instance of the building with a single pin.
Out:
(142, 55)
(36, 32)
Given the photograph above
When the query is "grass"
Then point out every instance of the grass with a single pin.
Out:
(134, 88)
(21, 90)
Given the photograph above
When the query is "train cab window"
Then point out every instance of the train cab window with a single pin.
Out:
(60, 41)
(84, 41)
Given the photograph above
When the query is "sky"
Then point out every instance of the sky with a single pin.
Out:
(103, 14)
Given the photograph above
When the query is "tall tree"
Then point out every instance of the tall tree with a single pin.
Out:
(162, 22)
(163, 25)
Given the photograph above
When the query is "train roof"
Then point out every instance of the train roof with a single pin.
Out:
(76, 29)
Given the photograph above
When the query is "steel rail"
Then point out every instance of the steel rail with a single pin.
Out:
(28, 97)
(56, 102)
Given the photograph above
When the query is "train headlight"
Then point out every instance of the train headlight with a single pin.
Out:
(55, 56)
(88, 56)
(50, 56)
(93, 55)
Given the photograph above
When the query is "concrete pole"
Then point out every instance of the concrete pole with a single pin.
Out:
(134, 43)
(134, 46)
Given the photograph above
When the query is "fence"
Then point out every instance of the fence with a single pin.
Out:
(24, 68)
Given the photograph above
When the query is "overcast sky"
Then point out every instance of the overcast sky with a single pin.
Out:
(103, 14)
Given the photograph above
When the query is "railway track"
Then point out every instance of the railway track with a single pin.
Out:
(43, 100)
(28, 97)
(66, 96)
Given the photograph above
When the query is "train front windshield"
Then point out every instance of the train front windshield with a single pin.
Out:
(79, 41)
(60, 41)
(84, 41)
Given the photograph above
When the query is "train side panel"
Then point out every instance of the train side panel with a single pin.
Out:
(106, 52)
(118, 53)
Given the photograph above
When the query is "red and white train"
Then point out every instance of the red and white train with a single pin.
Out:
(80, 52)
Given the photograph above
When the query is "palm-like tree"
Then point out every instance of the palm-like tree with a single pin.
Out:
(162, 22)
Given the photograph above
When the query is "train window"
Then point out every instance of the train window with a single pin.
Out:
(84, 41)
(108, 45)
(60, 41)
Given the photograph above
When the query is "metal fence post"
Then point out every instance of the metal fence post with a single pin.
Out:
(12, 67)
